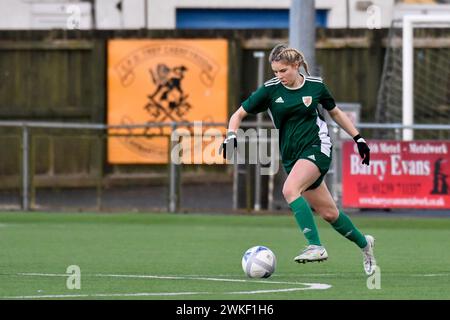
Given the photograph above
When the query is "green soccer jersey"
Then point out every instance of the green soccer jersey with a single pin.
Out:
(294, 113)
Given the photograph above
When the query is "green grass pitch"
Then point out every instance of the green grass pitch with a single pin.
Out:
(198, 256)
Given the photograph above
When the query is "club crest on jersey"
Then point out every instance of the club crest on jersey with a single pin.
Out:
(307, 100)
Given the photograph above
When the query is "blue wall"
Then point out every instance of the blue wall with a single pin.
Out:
(239, 18)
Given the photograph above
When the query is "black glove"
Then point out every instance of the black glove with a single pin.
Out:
(363, 148)
(230, 142)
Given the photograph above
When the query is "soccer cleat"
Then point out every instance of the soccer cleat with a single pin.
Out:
(369, 258)
(312, 253)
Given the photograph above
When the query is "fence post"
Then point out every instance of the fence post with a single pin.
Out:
(99, 178)
(271, 183)
(235, 180)
(173, 176)
(25, 167)
(259, 119)
(336, 164)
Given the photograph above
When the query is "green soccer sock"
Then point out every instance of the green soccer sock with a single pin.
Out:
(344, 226)
(305, 220)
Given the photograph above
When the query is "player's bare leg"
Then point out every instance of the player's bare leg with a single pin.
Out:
(322, 202)
(303, 174)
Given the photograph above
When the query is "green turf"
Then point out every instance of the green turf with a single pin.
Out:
(192, 249)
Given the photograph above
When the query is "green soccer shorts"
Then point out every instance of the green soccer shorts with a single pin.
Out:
(321, 160)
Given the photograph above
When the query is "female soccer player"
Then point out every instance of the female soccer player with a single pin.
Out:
(291, 99)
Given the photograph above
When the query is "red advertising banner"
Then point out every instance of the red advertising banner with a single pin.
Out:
(412, 174)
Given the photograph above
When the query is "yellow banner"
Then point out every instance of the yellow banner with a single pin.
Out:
(161, 81)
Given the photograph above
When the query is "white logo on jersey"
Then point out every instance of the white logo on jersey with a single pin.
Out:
(307, 100)
(279, 100)
(312, 157)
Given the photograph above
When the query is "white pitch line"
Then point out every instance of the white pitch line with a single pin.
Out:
(199, 278)
(173, 278)
(141, 294)
(44, 274)
(148, 294)
(432, 275)
(307, 286)
(312, 286)
(309, 274)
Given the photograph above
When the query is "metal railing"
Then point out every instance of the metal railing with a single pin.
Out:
(173, 178)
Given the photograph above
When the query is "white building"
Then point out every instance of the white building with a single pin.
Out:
(45, 14)
(209, 14)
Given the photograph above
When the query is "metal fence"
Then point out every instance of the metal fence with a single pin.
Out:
(32, 186)
(170, 187)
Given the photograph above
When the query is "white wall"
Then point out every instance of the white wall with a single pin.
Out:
(161, 14)
(402, 9)
(132, 16)
(44, 14)
(15, 14)
(380, 16)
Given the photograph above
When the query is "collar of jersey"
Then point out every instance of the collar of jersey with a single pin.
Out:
(301, 85)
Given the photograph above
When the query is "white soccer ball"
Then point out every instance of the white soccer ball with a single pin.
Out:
(259, 262)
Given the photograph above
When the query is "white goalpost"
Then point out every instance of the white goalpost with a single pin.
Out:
(409, 22)
(415, 81)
